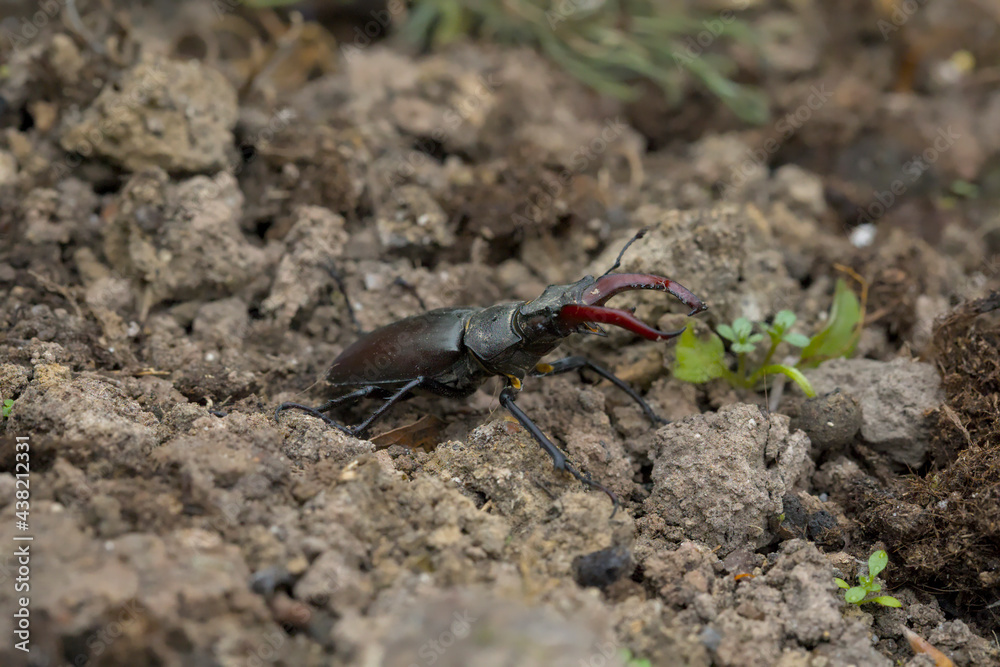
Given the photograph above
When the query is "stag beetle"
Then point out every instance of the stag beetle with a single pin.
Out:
(452, 351)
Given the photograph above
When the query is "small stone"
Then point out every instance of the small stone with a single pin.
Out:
(800, 188)
(603, 568)
(894, 397)
(831, 420)
(413, 222)
(178, 116)
(710, 638)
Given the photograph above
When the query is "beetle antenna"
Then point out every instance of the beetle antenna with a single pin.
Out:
(412, 289)
(342, 288)
(618, 262)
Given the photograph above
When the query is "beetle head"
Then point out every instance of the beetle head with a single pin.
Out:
(562, 310)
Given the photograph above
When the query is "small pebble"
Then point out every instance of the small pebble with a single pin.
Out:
(710, 638)
(603, 568)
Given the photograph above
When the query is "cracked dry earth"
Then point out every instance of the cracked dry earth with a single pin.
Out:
(152, 327)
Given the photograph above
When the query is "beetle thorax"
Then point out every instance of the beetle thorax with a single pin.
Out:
(494, 336)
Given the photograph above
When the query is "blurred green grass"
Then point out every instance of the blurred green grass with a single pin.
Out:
(610, 45)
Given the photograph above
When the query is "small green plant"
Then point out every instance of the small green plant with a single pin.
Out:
(632, 661)
(699, 361)
(8, 405)
(868, 584)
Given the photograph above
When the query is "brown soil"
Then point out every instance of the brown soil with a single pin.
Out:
(200, 208)
(947, 523)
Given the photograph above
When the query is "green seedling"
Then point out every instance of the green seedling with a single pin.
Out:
(631, 661)
(8, 405)
(699, 360)
(868, 584)
(964, 189)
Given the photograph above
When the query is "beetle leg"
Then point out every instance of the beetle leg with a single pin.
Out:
(579, 363)
(358, 430)
(412, 289)
(558, 458)
(352, 397)
(338, 280)
(392, 400)
(315, 413)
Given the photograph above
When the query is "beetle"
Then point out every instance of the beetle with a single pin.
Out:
(451, 352)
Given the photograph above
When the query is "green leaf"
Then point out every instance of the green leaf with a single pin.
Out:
(887, 601)
(697, 360)
(793, 374)
(796, 339)
(965, 189)
(784, 320)
(855, 595)
(742, 327)
(840, 335)
(755, 338)
(877, 562)
(743, 348)
(841, 583)
(631, 661)
(8, 405)
(726, 332)
(750, 104)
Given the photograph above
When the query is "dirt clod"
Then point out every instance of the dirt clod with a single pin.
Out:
(750, 461)
(177, 241)
(305, 273)
(177, 116)
(831, 421)
(894, 399)
(86, 409)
